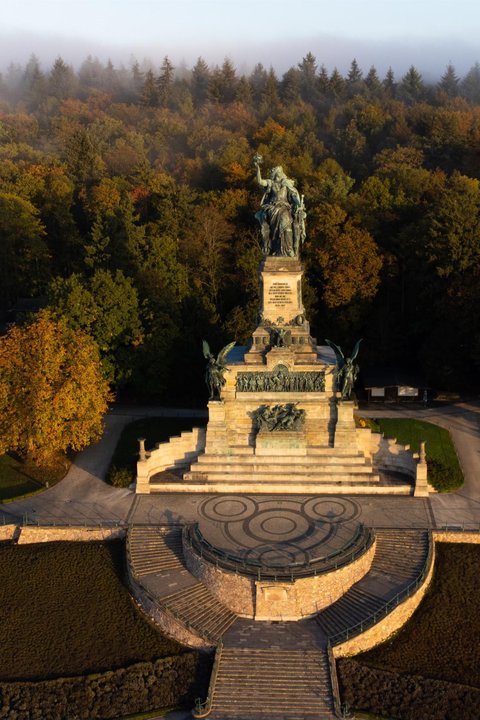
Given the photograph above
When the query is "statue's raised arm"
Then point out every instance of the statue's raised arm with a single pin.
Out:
(282, 213)
(256, 161)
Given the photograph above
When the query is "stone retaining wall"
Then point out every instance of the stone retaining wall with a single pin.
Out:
(7, 532)
(449, 536)
(390, 624)
(270, 600)
(76, 534)
(162, 619)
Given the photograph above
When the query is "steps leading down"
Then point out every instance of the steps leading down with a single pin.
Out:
(312, 467)
(400, 557)
(285, 684)
(153, 549)
(198, 609)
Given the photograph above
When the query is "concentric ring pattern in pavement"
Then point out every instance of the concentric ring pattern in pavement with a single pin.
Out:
(276, 532)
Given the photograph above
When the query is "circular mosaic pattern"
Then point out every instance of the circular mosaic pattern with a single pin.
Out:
(228, 509)
(285, 525)
(279, 532)
(279, 525)
(332, 510)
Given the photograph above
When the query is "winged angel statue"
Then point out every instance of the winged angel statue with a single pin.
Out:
(346, 369)
(215, 370)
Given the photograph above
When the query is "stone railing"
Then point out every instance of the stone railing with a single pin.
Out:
(389, 606)
(169, 622)
(389, 455)
(362, 540)
(203, 709)
(178, 452)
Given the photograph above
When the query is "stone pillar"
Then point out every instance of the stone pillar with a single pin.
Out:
(217, 440)
(421, 481)
(345, 431)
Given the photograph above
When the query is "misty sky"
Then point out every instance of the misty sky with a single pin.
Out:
(428, 33)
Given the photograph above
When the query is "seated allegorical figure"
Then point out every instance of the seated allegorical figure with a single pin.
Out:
(282, 214)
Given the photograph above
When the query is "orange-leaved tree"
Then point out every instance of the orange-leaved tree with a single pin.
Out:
(52, 392)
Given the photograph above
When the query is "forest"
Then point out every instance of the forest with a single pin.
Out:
(127, 203)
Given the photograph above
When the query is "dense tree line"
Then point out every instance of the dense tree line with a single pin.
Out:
(127, 203)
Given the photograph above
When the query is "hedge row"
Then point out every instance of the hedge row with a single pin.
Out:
(142, 687)
(405, 697)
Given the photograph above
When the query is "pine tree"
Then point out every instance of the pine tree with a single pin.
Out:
(165, 82)
(291, 86)
(62, 81)
(258, 80)
(471, 84)
(389, 84)
(337, 84)
(150, 90)
(449, 82)
(200, 82)
(372, 81)
(308, 77)
(412, 87)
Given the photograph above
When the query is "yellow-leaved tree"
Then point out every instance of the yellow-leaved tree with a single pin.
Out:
(53, 395)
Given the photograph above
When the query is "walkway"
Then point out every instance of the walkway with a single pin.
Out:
(462, 420)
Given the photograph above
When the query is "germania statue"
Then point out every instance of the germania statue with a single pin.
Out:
(282, 213)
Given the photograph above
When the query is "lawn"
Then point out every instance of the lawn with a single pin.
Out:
(154, 430)
(64, 610)
(431, 668)
(19, 477)
(444, 471)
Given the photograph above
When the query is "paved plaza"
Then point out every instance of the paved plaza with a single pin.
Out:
(83, 497)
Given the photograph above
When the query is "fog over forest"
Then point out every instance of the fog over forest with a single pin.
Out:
(430, 56)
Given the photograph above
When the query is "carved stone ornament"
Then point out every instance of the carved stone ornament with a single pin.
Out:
(278, 418)
(281, 380)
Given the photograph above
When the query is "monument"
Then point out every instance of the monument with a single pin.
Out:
(280, 409)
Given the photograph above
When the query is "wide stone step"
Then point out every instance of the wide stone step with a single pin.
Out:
(326, 486)
(197, 608)
(398, 559)
(290, 475)
(155, 549)
(272, 683)
(280, 468)
(246, 460)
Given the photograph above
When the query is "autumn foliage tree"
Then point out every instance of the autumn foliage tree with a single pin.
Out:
(52, 392)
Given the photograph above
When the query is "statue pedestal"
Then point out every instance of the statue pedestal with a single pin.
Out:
(217, 440)
(281, 309)
(345, 430)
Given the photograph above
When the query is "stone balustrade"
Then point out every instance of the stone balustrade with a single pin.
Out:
(177, 452)
(389, 455)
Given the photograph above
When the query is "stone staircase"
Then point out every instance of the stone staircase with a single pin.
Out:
(272, 670)
(153, 549)
(318, 469)
(281, 684)
(157, 564)
(199, 610)
(400, 557)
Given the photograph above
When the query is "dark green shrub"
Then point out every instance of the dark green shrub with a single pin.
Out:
(120, 477)
(168, 682)
(444, 478)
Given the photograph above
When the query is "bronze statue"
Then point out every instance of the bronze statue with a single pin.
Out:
(346, 370)
(216, 369)
(282, 213)
(278, 417)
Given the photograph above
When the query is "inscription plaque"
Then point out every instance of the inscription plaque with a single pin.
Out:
(280, 294)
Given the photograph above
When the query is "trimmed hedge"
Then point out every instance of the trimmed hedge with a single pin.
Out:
(65, 611)
(168, 682)
(431, 668)
(406, 697)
